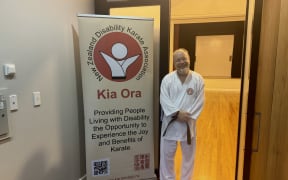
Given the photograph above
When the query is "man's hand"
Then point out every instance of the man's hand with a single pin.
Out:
(184, 116)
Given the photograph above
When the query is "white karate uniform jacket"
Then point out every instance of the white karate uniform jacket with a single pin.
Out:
(175, 96)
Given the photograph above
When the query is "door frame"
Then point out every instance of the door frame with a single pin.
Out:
(249, 149)
(207, 19)
(103, 6)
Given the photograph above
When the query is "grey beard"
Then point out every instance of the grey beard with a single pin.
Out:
(183, 70)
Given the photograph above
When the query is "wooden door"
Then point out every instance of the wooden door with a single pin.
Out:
(267, 128)
(214, 55)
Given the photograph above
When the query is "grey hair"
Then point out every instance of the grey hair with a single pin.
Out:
(182, 50)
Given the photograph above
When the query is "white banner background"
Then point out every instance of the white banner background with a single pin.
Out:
(118, 97)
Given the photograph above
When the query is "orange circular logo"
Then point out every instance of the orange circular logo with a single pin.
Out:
(118, 56)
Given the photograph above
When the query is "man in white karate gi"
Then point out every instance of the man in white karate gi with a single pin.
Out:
(182, 100)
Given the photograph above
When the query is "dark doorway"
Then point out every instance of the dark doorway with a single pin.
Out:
(185, 37)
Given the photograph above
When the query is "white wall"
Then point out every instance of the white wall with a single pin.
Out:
(37, 36)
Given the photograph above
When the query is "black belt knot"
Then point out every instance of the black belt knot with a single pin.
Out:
(188, 128)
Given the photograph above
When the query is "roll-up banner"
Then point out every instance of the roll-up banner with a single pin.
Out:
(117, 79)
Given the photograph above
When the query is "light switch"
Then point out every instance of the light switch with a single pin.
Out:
(9, 69)
(2, 105)
(13, 102)
(36, 98)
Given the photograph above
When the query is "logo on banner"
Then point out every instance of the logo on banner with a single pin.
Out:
(118, 56)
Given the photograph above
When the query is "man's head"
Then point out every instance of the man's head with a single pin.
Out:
(181, 61)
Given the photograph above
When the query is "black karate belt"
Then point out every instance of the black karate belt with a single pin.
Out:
(188, 134)
(188, 128)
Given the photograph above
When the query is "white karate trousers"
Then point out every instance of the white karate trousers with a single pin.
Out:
(167, 156)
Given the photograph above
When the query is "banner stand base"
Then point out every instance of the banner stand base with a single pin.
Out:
(153, 178)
